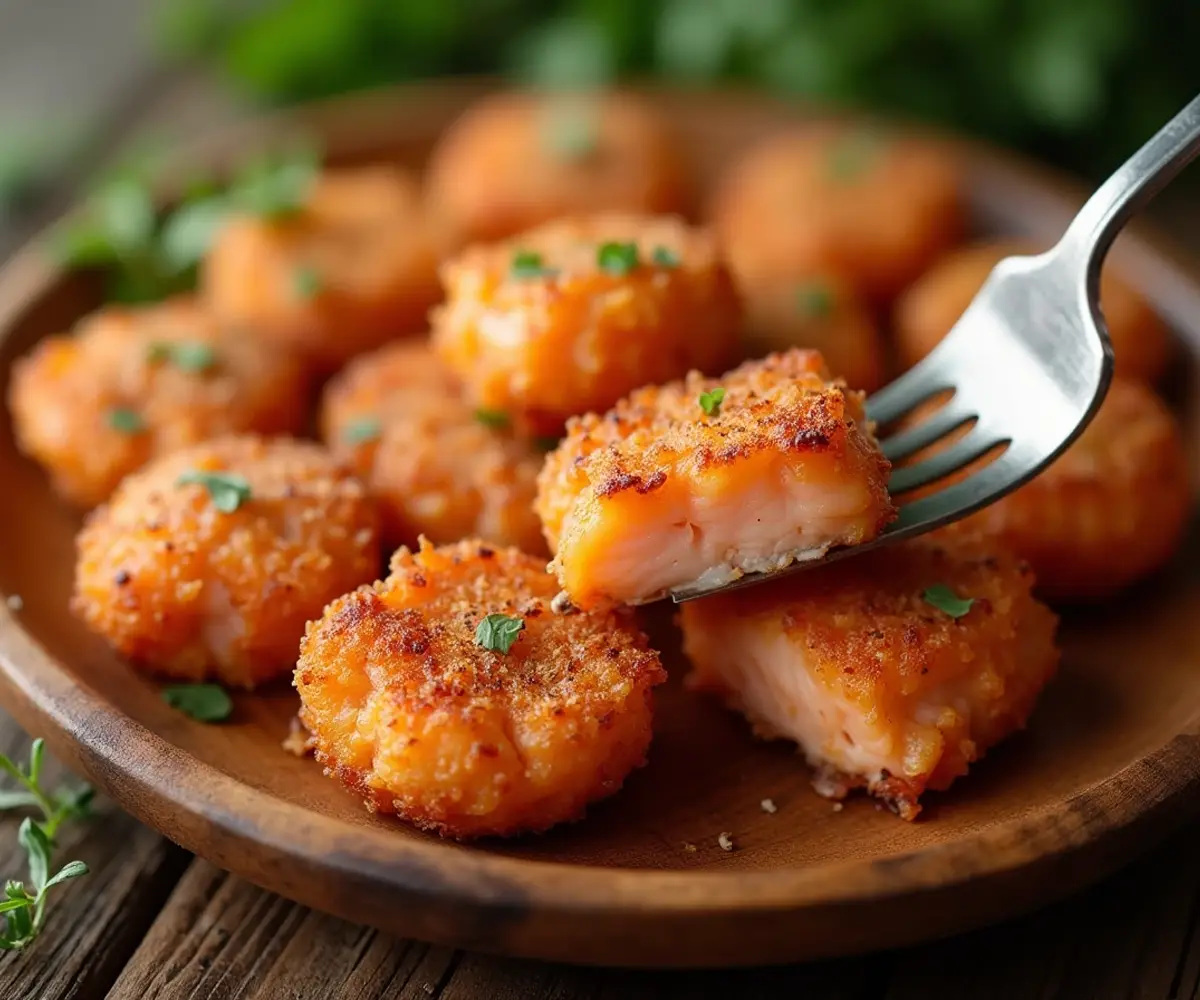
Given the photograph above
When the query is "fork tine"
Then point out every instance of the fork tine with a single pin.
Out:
(907, 442)
(963, 452)
(911, 389)
(978, 490)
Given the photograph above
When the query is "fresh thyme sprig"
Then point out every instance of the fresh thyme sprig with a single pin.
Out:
(23, 906)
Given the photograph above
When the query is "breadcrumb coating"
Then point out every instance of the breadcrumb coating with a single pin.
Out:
(355, 267)
(880, 687)
(657, 493)
(187, 591)
(435, 466)
(575, 337)
(415, 716)
(516, 160)
(96, 405)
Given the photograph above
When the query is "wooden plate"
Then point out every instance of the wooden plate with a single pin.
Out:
(1110, 761)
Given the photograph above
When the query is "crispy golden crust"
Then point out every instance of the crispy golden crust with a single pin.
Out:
(187, 591)
(919, 687)
(436, 469)
(932, 305)
(1110, 511)
(504, 165)
(825, 199)
(660, 436)
(356, 267)
(824, 314)
(413, 715)
(65, 391)
(548, 347)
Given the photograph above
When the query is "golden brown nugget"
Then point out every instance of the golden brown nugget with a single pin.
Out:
(355, 267)
(824, 314)
(675, 487)
(452, 729)
(1110, 511)
(926, 311)
(207, 564)
(893, 671)
(871, 207)
(569, 317)
(438, 466)
(516, 160)
(132, 384)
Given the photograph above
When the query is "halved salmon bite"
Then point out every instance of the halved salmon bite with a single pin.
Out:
(671, 488)
(894, 671)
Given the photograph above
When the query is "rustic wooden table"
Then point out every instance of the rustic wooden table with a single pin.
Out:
(151, 921)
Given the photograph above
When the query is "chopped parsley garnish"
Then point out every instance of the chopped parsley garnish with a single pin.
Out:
(125, 420)
(945, 599)
(528, 264)
(306, 280)
(853, 154)
(814, 300)
(617, 258)
(498, 632)
(228, 490)
(664, 257)
(186, 355)
(570, 133)
(362, 430)
(495, 419)
(710, 402)
(203, 702)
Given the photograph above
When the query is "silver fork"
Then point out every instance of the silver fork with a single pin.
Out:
(1028, 362)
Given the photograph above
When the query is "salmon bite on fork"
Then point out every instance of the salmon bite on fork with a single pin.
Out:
(701, 481)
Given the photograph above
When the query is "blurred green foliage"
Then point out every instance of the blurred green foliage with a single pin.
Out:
(1079, 81)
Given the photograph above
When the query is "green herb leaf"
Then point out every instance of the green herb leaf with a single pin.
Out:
(710, 402)
(528, 264)
(495, 419)
(228, 490)
(72, 869)
(75, 802)
(306, 280)
(664, 257)
(275, 188)
(814, 300)
(617, 258)
(362, 430)
(37, 754)
(13, 904)
(203, 702)
(945, 599)
(37, 845)
(15, 798)
(570, 133)
(189, 231)
(193, 356)
(124, 210)
(125, 420)
(498, 632)
(853, 155)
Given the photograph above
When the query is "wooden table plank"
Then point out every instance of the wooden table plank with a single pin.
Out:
(96, 922)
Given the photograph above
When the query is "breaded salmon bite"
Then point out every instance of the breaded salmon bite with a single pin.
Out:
(928, 309)
(1110, 511)
(450, 695)
(824, 314)
(700, 481)
(207, 563)
(894, 671)
(856, 201)
(438, 466)
(353, 268)
(569, 317)
(515, 160)
(132, 384)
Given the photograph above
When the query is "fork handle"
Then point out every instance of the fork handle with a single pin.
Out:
(1128, 190)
